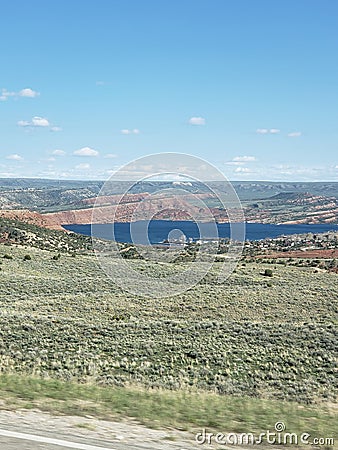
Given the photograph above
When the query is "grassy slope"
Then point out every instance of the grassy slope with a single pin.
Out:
(163, 408)
(249, 337)
(31, 235)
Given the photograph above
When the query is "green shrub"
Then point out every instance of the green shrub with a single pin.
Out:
(268, 273)
(27, 258)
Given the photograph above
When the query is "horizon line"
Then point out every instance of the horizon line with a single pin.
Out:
(163, 181)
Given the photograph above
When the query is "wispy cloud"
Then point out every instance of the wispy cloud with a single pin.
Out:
(295, 134)
(26, 92)
(58, 152)
(82, 166)
(234, 163)
(110, 155)
(244, 159)
(7, 174)
(127, 131)
(38, 122)
(262, 131)
(35, 122)
(243, 170)
(15, 157)
(6, 94)
(86, 151)
(283, 172)
(197, 121)
(24, 123)
(268, 131)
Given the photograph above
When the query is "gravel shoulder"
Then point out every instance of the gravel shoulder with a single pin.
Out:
(107, 434)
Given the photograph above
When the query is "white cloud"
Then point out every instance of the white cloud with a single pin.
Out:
(55, 129)
(262, 131)
(110, 155)
(7, 174)
(134, 131)
(58, 152)
(268, 131)
(24, 123)
(35, 122)
(86, 151)
(196, 121)
(6, 94)
(82, 166)
(28, 92)
(244, 159)
(295, 134)
(15, 157)
(40, 122)
(234, 163)
(243, 170)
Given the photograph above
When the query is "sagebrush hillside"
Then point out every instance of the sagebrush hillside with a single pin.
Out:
(253, 335)
(31, 235)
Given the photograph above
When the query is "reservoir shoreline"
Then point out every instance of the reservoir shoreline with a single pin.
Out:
(158, 230)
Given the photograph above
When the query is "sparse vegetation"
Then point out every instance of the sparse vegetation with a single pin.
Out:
(242, 352)
(21, 233)
(234, 338)
(163, 408)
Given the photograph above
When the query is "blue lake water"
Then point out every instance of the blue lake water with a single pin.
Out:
(158, 230)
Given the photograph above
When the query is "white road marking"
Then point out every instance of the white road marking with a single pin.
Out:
(46, 440)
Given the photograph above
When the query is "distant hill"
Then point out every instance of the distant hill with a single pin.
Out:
(54, 195)
(42, 183)
(250, 190)
(51, 203)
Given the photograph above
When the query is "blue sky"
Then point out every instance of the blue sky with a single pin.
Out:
(251, 86)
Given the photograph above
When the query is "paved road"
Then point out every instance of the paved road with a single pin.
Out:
(15, 440)
(34, 430)
(10, 440)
